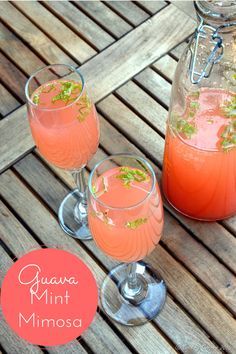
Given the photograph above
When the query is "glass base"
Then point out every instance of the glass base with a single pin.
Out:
(146, 303)
(73, 219)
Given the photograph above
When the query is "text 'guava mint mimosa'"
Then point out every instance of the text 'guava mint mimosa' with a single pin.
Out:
(64, 123)
(125, 219)
(199, 176)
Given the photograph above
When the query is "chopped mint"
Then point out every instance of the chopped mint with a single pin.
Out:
(136, 223)
(191, 114)
(36, 98)
(194, 105)
(68, 88)
(129, 175)
(195, 94)
(186, 128)
(94, 188)
(230, 108)
(84, 104)
(229, 136)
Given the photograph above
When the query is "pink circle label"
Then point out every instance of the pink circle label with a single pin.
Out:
(49, 297)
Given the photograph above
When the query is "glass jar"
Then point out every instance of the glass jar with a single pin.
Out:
(199, 171)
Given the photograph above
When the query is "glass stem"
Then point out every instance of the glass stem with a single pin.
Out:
(81, 208)
(132, 286)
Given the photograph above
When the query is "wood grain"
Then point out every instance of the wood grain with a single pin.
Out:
(35, 38)
(152, 6)
(12, 77)
(16, 50)
(129, 11)
(187, 7)
(144, 105)
(8, 102)
(166, 66)
(71, 43)
(80, 23)
(14, 127)
(107, 18)
(155, 84)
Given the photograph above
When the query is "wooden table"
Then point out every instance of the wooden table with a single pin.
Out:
(125, 51)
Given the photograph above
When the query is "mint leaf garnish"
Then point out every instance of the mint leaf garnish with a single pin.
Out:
(230, 108)
(229, 136)
(84, 105)
(194, 105)
(195, 94)
(129, 175)
(68, 88)
(136, 223)
(36, 98)
(186, 128)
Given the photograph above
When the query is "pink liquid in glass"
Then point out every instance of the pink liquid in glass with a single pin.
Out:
(65, 132)
(199, 176)
(122, 230)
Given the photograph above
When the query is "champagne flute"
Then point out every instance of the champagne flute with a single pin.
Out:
(126, 221)
(65, 128)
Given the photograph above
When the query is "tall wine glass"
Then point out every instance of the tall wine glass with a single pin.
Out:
(126, 221)
(65, 128)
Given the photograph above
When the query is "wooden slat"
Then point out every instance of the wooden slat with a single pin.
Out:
(37, 40)
(138, 131)
(7, 102)
(166, 66)
(56, 30)
(14, 344)
(187, 7)
(17, 50)
(189, 338)
(120, 62)
(159, 87)
(101, 338)
(15, 128)
(12, 77)
(6, 263)
(135, 51)
(80, 23)
(214, 236)
(51, 235)
(230, 224)
(197, 301)
(152, 6)
(38, 177)
(129, 11)
(134, 96)
(178, 50)
(105, 16)
(10, 342)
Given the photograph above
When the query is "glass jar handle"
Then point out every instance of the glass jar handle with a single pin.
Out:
(214, 57)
